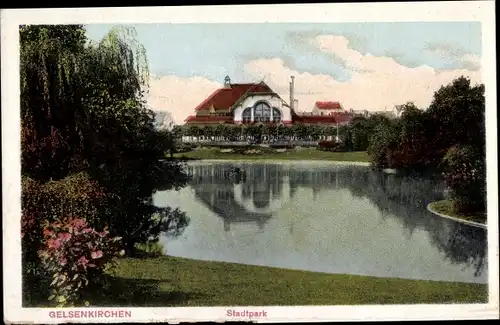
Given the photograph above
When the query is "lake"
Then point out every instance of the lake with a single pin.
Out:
(325, 217)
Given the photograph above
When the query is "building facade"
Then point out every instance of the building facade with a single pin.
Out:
(249, 103)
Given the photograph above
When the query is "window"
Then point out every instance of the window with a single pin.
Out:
(247, 114)
(276, 115)
(262, 112)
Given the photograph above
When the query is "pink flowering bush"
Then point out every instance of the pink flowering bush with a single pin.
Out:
(74, 195)
(76, 256)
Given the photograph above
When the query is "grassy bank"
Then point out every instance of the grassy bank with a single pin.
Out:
(171, 281)
(302, 154)
(445, 207)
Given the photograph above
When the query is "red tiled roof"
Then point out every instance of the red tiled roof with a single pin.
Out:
(323, 119)
(328, 105)
(224, 98)
(209, 119)
(314, 119)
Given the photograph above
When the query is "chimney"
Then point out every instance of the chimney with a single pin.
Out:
(292, 98)
(227, 82)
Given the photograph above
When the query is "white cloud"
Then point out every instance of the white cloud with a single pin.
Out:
(376, 82)
(470, 61)
(179, 96)
(455, 55)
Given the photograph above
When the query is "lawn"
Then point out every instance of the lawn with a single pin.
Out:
(172, 281)
(301, 154)
(446, 207)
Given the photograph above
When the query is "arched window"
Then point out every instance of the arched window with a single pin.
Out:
(262, 112)
(247, 114)
(276, 115)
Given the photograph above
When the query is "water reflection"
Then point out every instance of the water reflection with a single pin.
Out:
(330, 218)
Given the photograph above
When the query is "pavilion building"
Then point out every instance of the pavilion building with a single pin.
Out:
(248, 103)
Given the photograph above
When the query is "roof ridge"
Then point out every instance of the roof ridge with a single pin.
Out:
(246, 83)
(208, 98)
(245, 93)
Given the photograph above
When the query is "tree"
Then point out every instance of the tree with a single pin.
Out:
(458, 112)
(360, 130)
(221, 131)
(270, 130)
(254, 131)
(83, 109)
(193, 131)
(178, 131)
(465, 174)
(314, 132)
(383, 144)
(412, 150)
(286, 131)
(234, 132)
(52, 110)
(449, 136)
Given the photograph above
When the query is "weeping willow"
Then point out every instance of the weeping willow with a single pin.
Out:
(83, 109)
(51, 99)
(129, 56)
(72, 90)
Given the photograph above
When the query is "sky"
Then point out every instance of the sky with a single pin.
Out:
(365, 66)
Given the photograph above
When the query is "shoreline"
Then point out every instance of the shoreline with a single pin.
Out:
(281, 162)
(463, 221)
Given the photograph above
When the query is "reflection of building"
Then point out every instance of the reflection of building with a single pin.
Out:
(222, 202)
(215, 188)
(248, 103)
(266, 189)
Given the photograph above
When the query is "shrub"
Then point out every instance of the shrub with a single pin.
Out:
(74, 195)
(151, 249)
(464, 172)
(76, 255)
(184, 147)
(326, 145)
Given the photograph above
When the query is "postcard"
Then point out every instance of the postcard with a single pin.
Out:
(264, 163)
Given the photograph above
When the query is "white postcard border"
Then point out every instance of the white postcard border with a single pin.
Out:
(481, 11)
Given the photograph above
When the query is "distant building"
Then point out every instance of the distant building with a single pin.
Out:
(163, 120)
(248, 103)
(327, 108)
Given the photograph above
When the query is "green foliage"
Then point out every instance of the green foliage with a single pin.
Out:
(75, 256)
(184, 147)
(464, 171)
(328, 146)
(151, 249)
(74, 195)
(458, 110)
(455, 117)
(83, 109)
(449, 136)
(383, 144)
(51, 103)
